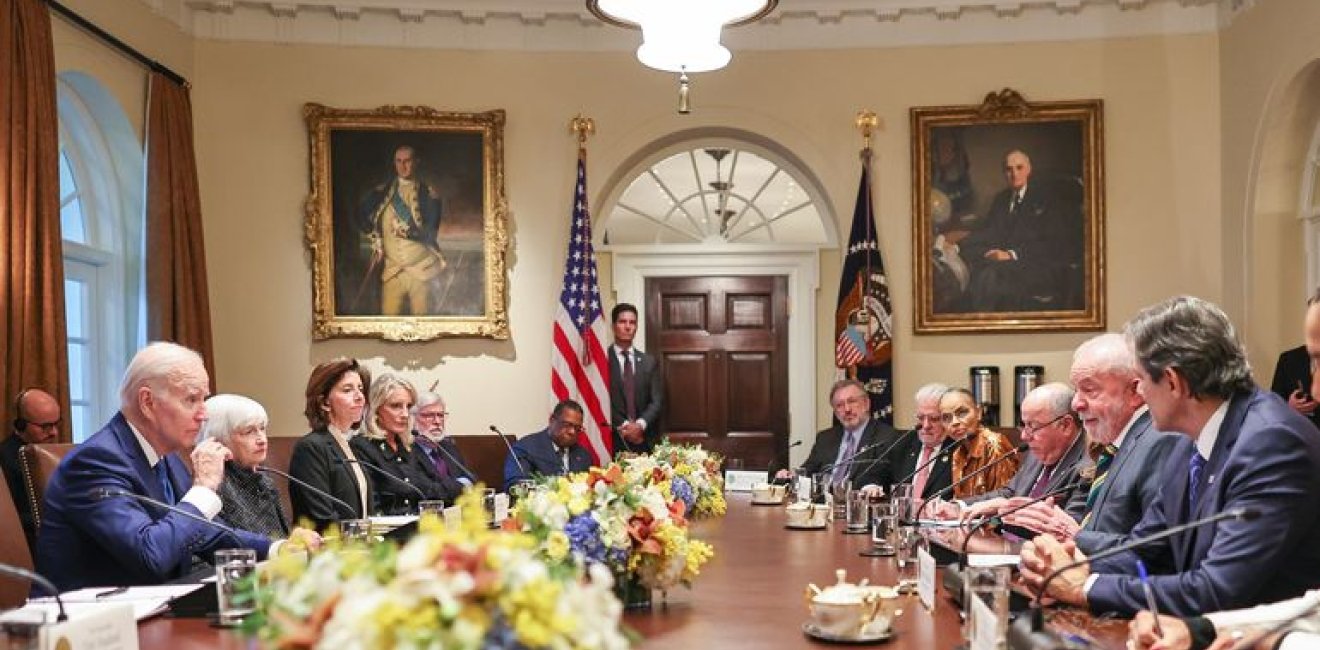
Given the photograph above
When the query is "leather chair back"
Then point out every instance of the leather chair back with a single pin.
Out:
(39, 463)
(485, 456)
(278, 452)
(14, 550)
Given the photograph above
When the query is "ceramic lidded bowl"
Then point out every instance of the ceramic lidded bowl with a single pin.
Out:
(850, 610)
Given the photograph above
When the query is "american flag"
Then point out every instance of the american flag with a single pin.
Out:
(579, 369)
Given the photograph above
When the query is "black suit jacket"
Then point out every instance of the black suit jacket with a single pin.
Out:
(315, 460)
(1045, 233)
(648, 390)
(456, 467)
(539, 458)
(1131, 485)
(908, 456)
(1267, 458)
(1294, 370)
(407, 465)
(1065, 473)
(867, 467)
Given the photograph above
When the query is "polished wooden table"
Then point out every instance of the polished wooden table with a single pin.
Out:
(750, 595)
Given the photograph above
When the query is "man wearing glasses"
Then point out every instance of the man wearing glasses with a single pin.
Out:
(451, 470)
(552, 451)
(36, 421)
(1050, 429)
(850, 454)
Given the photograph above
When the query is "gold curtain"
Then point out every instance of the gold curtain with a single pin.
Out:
(178, 307)
(33, 347)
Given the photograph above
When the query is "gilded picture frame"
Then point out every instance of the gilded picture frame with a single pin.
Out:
(407, 223)
(1008, 216)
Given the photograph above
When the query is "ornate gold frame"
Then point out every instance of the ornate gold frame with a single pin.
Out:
(319, 223)
(1008, 107)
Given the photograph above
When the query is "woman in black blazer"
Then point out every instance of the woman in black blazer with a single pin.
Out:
(401, 475)
(336, 396)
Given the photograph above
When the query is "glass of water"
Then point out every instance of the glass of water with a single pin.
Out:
(985, 603)
(431, 506)
(235, 584)
(905, 540)
(883, 524)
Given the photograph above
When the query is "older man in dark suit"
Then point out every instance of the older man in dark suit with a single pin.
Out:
(1128, 452)
(851, 453)
(1250, 452)
(552, 451)
(924, 458)
(637, 393)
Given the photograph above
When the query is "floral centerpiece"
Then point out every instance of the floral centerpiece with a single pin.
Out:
(465, 588)
(688, 473)
(625, 519)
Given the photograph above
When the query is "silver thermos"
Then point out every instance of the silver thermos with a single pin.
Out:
(985, 389)
(1025, 380)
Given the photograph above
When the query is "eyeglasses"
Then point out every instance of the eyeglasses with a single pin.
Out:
(575, 428)
(961, 414)
(1028, 428)
(46, 426)
(440, 415)
(923, 419)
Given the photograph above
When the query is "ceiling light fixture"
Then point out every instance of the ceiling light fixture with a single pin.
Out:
(681, 36)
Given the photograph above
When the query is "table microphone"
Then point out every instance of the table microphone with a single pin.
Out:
(352, 512)
(378, 470)
(101, 494)
(1038, 614)
(522, 471)
(31, 576)
(949, 490)
(885, 454)
(997, 519)
(471, 477)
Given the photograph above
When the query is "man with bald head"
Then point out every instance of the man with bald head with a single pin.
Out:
(92, 532)
(36, 421)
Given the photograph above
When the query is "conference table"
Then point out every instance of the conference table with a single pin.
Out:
(750, 595)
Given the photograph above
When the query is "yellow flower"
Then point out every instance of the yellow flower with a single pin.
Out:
(578, 504)
(556, 545)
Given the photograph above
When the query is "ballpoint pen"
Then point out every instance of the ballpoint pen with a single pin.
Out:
(1150, 596)
(111, 592)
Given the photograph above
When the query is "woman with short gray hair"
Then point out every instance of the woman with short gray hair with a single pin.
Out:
(249, 498)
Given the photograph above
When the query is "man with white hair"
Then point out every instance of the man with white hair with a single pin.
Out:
(925, 456)
(440, 452)
(93, 532)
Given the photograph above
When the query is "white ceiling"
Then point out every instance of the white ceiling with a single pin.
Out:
(548, 25)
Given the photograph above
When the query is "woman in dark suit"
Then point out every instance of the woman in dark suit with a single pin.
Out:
(335, 398)
(386, 441)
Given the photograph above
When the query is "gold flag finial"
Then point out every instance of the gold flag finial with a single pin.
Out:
(867, 122)
(584, 127)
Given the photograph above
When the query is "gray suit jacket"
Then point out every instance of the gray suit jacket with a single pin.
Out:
(1065, 473)
(1131, 485)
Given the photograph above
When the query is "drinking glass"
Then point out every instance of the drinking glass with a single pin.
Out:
(883, 523)
(488, 501)
(431, 506)
(839, 493)
(858, 511)
(235, 569)
(986, 587)
(901, 495)
(21, 630)
(904, 539)
(354, 530)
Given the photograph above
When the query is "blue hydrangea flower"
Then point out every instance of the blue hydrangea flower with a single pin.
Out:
(584, 538)
(683, 492)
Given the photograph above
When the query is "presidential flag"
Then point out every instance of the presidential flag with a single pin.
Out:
(579, 368)
(863, 325)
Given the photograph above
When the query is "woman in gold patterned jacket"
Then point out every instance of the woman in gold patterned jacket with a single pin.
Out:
(962, 419)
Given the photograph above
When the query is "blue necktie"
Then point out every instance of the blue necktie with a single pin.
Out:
(1194, 467)
(843, 466)
(163, 477)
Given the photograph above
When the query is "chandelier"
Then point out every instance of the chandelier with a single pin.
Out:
(681, 35)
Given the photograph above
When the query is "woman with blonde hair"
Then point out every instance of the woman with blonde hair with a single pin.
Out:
(385, 445)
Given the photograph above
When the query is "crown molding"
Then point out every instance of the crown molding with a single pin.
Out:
(566, 25)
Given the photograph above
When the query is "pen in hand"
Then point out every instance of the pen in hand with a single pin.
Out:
(1150, 597)
(111, 592)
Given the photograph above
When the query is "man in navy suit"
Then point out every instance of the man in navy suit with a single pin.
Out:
(88, 539)
(552, 451)
(1128, 452)
(637, 393)
(1250, 451)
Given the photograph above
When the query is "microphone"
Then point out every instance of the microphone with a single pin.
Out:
(949, 490)
(997, 519)
(352, 512)
(1238, 514)
(848, 460)
(471, 477)
(943, 454)
(101, 494)
(522, 471)
(378, 470)
(31, 576)
(885, 454)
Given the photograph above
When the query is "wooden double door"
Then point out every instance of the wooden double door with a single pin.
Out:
(722, 343)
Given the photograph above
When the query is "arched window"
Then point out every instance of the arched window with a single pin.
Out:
(717, 191)
(101, 188)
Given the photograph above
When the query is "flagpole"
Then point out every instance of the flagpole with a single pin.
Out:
(583, 127)
(867, 122)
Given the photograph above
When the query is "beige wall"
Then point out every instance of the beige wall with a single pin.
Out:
(1161, 140)
(1270, 98)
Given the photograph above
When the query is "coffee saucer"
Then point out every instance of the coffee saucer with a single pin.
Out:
(768, 502)
(867, 634)
(821, 526)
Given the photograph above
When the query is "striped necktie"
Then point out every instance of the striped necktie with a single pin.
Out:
(1102, 463)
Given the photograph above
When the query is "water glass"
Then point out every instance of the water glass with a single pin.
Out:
(858, 511)
(883, 524)
(901, 495)
(986, 586)
(434, 507)
(839, 493)
(354, 530)
(488, 502)
(22, 630)
(235, 584)
(905, 540)
(819, 481)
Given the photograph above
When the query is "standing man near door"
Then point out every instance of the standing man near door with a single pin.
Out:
(636, 390)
